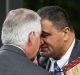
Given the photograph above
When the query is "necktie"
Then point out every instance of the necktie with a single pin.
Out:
(57, 70)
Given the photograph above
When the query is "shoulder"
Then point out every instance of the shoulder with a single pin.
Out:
(36, 69)
(17, 64)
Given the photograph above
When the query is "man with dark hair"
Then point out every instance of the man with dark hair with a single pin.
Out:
(58, 42)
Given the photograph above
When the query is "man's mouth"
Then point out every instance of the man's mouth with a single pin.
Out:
(43, 50)
(44, 46)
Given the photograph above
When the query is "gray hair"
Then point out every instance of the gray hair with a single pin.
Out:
(18, 24)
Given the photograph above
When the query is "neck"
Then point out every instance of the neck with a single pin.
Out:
(69, 42)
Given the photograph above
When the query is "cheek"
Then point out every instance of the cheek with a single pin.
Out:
(54, 42)
(37, 43)
(59, 43)
(50, 41)
(59, 38)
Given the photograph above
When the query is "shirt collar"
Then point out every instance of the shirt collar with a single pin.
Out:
(66, 57)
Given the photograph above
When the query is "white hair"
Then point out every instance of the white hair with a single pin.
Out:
(18, 25)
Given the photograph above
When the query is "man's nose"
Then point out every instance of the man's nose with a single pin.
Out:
(41, 41)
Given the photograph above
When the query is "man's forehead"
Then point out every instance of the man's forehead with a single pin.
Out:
(46, 24)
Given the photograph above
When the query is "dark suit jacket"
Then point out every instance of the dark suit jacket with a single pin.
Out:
(45, 63)
(14, 62)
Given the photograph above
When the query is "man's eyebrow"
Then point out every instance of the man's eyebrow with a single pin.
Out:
(46, 33)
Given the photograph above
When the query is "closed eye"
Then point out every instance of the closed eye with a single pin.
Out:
(45, 34)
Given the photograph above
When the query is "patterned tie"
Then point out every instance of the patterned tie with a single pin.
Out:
(57, 70)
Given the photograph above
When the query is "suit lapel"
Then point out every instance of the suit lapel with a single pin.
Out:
(76, 51)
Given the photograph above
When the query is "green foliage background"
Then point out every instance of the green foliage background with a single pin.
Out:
(72, 7)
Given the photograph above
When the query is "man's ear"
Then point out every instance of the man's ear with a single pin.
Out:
(31, 38)
(66, 31)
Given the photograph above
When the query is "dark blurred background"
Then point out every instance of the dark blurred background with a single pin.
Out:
(72, 7)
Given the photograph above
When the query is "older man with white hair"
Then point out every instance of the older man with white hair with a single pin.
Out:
(21, 40)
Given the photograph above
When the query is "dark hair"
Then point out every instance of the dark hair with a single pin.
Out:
(56, 15)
